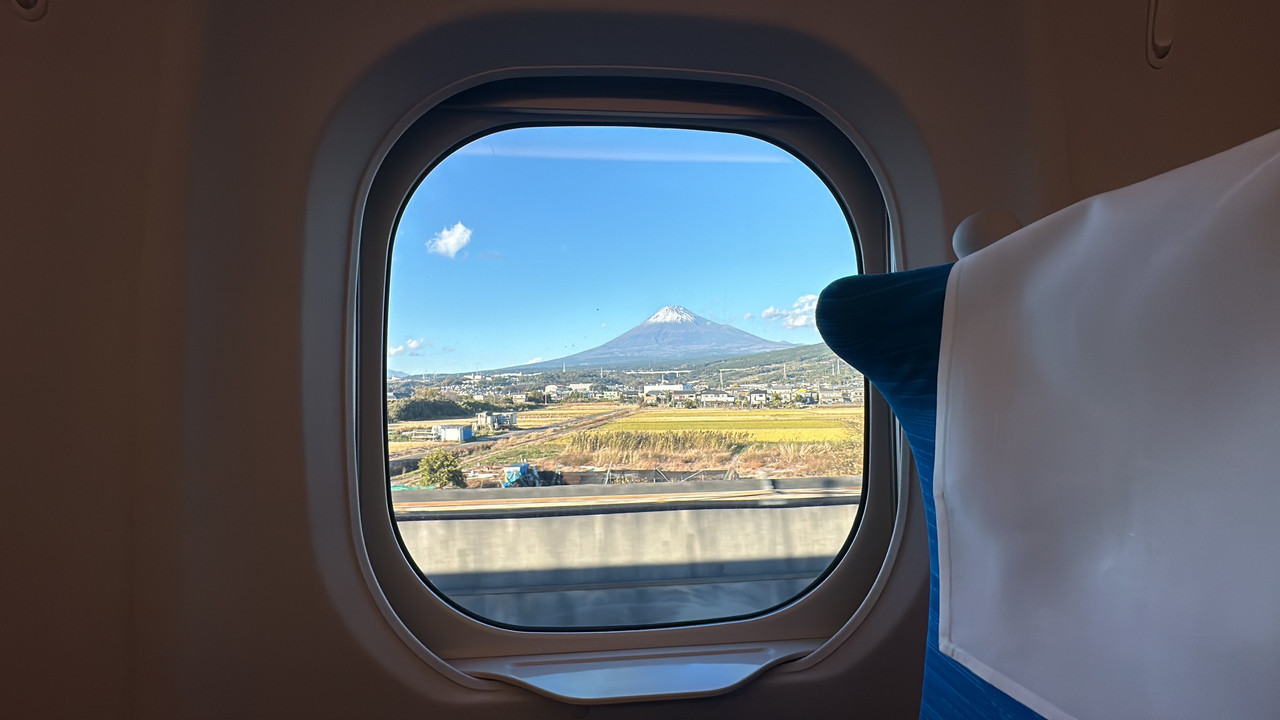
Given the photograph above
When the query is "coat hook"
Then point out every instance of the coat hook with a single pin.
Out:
(1158, 43)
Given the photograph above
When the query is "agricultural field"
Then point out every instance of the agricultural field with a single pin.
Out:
(410, 425)
(399, 447)
(522, 453)
(539, 434)
(775, 442)
(552, 415)
(800, 425)
(785, 442)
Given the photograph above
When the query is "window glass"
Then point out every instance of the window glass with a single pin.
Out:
(607, 404)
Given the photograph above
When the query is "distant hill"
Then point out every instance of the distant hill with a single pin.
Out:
(803, 364)
(673, 335)
(397, 374)
(799, 355)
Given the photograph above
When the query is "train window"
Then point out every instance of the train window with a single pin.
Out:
(597, 435)
(607, 404)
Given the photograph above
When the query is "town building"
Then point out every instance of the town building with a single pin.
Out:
(716, 397)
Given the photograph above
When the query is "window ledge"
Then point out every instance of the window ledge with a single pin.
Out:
(627, 676)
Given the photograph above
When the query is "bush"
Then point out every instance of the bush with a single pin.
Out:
(669, 449)
(441, 469)
(668, 441)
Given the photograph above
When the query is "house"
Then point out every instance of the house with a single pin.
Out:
(716, 397)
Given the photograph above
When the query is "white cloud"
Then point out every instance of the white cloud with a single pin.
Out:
(410, 346)
(747, 316)
(800, 315)
(534, 360)
(449, 241)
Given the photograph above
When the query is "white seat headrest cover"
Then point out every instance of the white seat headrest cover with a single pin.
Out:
(1107, 481)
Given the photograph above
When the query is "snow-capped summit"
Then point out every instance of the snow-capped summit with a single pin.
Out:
(673, 334)
(672, 314)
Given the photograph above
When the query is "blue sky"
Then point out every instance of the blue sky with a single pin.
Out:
(535, 243)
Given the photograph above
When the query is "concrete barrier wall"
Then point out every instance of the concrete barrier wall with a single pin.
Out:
(628, 568)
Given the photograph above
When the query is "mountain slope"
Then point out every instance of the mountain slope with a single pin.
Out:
(673, 334)
(800, 365)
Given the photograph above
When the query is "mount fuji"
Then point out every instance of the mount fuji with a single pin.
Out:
(673, 334)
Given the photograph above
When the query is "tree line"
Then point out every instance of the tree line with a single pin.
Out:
(431, 404)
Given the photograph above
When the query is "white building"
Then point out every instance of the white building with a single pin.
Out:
(683, 396)
(665, 388)
(716, 397)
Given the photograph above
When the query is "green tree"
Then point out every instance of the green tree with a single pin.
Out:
(440, 469)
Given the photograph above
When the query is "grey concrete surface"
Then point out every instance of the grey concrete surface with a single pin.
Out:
(629, 568)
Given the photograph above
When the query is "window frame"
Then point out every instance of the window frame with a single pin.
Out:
(805, 627)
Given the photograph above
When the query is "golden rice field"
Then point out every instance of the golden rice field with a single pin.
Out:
(799, 425)
(762, 442)
(810, 441)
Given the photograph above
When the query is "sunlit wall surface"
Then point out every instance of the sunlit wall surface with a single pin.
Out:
(607, 403)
